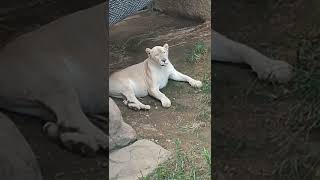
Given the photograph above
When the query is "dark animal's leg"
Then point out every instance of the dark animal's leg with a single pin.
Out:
(226, 50)
(74, 127)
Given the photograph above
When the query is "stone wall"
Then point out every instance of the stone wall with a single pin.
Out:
(195, 9)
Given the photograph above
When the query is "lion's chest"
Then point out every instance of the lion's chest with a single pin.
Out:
(162, 77)
(163, 82)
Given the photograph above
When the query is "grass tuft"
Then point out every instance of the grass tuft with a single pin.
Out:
(182, 167)
(304, 116)
(197, 52)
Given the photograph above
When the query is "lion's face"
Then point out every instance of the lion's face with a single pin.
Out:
(159, 54)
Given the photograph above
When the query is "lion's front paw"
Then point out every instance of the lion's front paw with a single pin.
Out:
(276, 71)
(196, 83)
(166, 102)
(87, 140)
(51, 129)
(134, 106)
(146, 107)
(80, 143)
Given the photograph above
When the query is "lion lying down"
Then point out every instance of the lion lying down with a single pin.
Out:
(226, 50)
(147, 77)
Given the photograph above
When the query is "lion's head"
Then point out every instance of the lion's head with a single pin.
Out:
(159, 54)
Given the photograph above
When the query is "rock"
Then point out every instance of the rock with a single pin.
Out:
(195, 9)
(135, 160)
(17, 160)
(120, 133)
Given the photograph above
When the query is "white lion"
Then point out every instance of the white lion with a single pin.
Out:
(147, 77)
(226, 50)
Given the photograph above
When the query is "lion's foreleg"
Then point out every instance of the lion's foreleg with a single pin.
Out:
(155, 92)
(226, 50)
(132, 102)
(177, 76)
(73, 127)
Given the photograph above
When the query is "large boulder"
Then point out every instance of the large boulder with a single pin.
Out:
(120, 133)
(136, 160)
(194, 9)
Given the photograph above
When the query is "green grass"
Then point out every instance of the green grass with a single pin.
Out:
(206, 86)
(297, 168)
(204, 116)
(182, 167)
(304, 116)
(206, 89)
(196, 52)
(306, 87)
(207, 156)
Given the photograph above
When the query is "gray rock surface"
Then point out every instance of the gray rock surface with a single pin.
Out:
(120, 133)
(195, 9)
(135, 160)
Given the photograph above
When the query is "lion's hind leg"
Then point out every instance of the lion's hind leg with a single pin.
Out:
(72, 126)
(131, 100)
(226, 50)
(121, 89)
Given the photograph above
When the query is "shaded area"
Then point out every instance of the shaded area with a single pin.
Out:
(56, 163)
(20, 16)
(259, 133)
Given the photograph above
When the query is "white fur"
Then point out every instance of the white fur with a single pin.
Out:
(147, 77)
(226, 50)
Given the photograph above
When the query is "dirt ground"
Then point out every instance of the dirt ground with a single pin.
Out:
(188, 119)
(248, 113)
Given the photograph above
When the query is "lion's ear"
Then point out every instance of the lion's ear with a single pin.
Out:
(166, 46)
(148, 51)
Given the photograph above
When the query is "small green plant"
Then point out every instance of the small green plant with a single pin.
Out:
(206, 86)
(207, 156)
(197, 51)
(204, 116)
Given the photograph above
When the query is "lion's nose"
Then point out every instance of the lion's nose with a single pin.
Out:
(163, 60)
